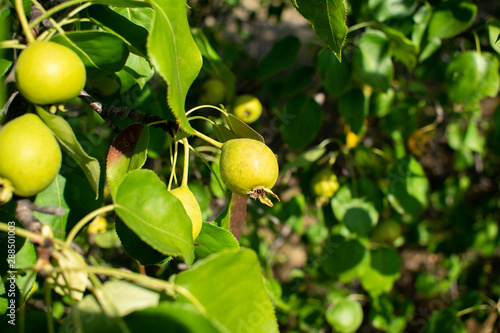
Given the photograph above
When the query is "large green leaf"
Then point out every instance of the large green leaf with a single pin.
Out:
(216, 280)
(101, 52)
(328, 19)
(451, 18)
(67, 139)
(127, 153)
(408, 187)
(472, 76)
(154, 214)
(174, 54)
(169, 317)
(372, 61)
(136, 248)
(301, 121)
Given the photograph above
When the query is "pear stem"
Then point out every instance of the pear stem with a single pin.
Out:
(24, 22)
(208, 139)
(186, 162)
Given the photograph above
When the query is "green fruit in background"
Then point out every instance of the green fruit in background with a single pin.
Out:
(49, 73)
(346, 316)
(214, 92)
(249, 168)
(324, 183)
(191, 206)
(30, 157)
(248, 108)
(387, 231)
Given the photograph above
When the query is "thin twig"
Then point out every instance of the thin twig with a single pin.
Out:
(107, 111)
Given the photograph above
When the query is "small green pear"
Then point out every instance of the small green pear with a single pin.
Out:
(30, 157)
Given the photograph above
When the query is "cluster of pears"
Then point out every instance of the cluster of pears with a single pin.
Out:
(30, 157)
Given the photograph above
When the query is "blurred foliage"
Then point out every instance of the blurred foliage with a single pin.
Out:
(408, 122)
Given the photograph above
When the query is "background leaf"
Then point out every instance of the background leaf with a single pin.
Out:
(472, 76)
(282, 56)
(301, 121)
(383, 271)
(451, 18)
(372, 61)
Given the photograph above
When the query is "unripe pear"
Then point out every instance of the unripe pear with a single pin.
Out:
(49, 73)
(30, 157)
(249, 168)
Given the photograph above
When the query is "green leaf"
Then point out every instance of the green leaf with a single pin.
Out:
(445, 321)
(213, 239)
(359, 216)
(402, 48)
(102, 52)
(473, 140)
(154, 214)
(383, 271)
(127, 297)
(282, 55)
(127, 153)
(408, 187)
(432, 46)
(121, 297)
(131, 33)
(335, 74)
(67, 139)
(451, 18)
(297, 81)
(494, 35)
(344, 258)
(301, 121)
(174, 54)
(54, 196)
(383, 10)
(169, 317)
(372, 61)
(213, 63)
(472, 76)
(328, 19)
(214, 282)
(354, 107)
(136, 248)
(139, 69)
(241, 129)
